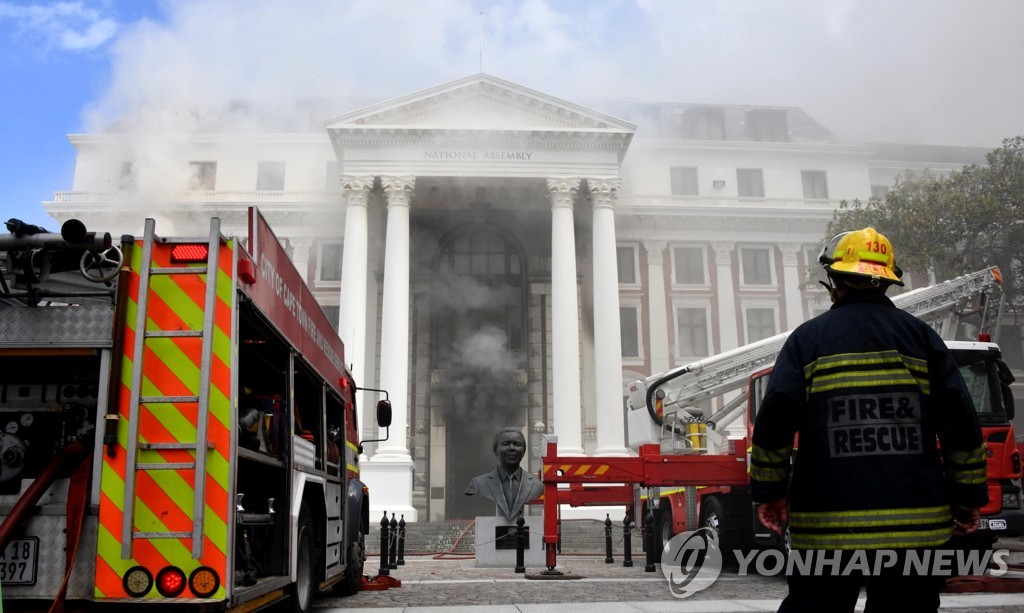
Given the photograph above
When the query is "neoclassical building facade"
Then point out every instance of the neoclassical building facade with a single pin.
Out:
(495, 256)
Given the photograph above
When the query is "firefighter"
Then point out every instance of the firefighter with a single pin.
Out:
(868, 388)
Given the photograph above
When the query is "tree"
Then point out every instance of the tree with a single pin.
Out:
(946, 225)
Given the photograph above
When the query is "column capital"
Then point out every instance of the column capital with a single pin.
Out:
(723, 252)
(790, 251)
(655, 249)
(604, 192)
(300, 247)
(562, 191)
(398, 190)
(356, 189)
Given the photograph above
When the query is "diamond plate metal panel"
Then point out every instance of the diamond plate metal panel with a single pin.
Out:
(50, 573)
(70, 326)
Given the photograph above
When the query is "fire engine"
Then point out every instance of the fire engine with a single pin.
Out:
(179, 425)
(694, 475)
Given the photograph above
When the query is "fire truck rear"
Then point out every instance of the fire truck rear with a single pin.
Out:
(178, 424)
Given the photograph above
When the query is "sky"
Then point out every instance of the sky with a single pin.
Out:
(939, 72)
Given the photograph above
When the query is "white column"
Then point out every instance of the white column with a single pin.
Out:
(611, 431)
(565, 332)
(657, 313)
(727, 316)
(791, 285)
(390, 472)
(352, 302)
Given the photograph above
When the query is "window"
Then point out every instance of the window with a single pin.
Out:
(750, 182)
(704, 123)
(756, 263)
(270, 176)
(329, 262)
(480, 254)
(815, 186)
(760, 324)
(333, 313)
(332, 183)
(815, 272)
(202, 176)
(629, 322)
(692, 331)
(688, 266)
(627, 262)
(684, 181)
(767, 125)
(879, 192)
(126, 182)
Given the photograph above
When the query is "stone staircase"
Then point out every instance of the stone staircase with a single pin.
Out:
(457, 537)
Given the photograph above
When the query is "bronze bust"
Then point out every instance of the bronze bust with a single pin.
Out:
(508, 485)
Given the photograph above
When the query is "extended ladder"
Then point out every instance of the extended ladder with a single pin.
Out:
(147, 271)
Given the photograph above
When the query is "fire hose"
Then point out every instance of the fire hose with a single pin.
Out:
(78, 490)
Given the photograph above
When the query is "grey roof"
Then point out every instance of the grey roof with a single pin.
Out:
(667, 119)
(935, 154)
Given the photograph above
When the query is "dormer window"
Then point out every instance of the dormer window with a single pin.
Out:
(768, 125)
(704, 123)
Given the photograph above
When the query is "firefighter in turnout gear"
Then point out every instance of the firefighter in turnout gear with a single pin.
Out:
(869, 389)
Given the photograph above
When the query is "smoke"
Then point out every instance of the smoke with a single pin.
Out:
(473, 346)
(933, 71)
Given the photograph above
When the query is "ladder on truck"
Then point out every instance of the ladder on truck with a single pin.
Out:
(149, 274)
(661, 405)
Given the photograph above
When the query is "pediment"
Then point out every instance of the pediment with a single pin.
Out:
(480, 102)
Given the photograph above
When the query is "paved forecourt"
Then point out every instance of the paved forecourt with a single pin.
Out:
(430, 584)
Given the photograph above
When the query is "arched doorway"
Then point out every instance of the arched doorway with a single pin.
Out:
(478, 356)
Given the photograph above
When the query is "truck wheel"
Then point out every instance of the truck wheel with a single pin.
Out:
(663, 533)
(304, 559)
(713, 516)
(353, 575)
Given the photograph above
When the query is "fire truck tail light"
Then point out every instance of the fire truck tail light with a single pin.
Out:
(170, 581)
(1015, 462)
(187, 253)
(247, 271)
(203, 582)
(137, 582)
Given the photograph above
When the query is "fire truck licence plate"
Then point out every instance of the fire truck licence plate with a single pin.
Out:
(18, 561)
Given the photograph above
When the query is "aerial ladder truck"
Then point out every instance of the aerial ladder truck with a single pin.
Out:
(689, 472)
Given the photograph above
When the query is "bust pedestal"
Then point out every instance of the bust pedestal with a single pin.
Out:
(496, 542)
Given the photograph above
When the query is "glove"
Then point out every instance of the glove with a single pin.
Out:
(965, 520)
(773, 514)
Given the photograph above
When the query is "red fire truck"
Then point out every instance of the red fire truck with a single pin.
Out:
(687, 480)
(179, 425)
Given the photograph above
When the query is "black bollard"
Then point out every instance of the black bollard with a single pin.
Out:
(401, 541)
(649, 541)
(520, 545)
(627, 554)
(608, 539)
(393, 544)
(384, 529)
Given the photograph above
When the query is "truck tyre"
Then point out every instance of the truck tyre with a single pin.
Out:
(305, 556)
(713, 516)
(353, 575)
(663, 533)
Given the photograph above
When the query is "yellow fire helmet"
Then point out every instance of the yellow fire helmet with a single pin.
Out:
(862, 253)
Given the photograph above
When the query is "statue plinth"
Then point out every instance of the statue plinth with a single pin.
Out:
(496, 542)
